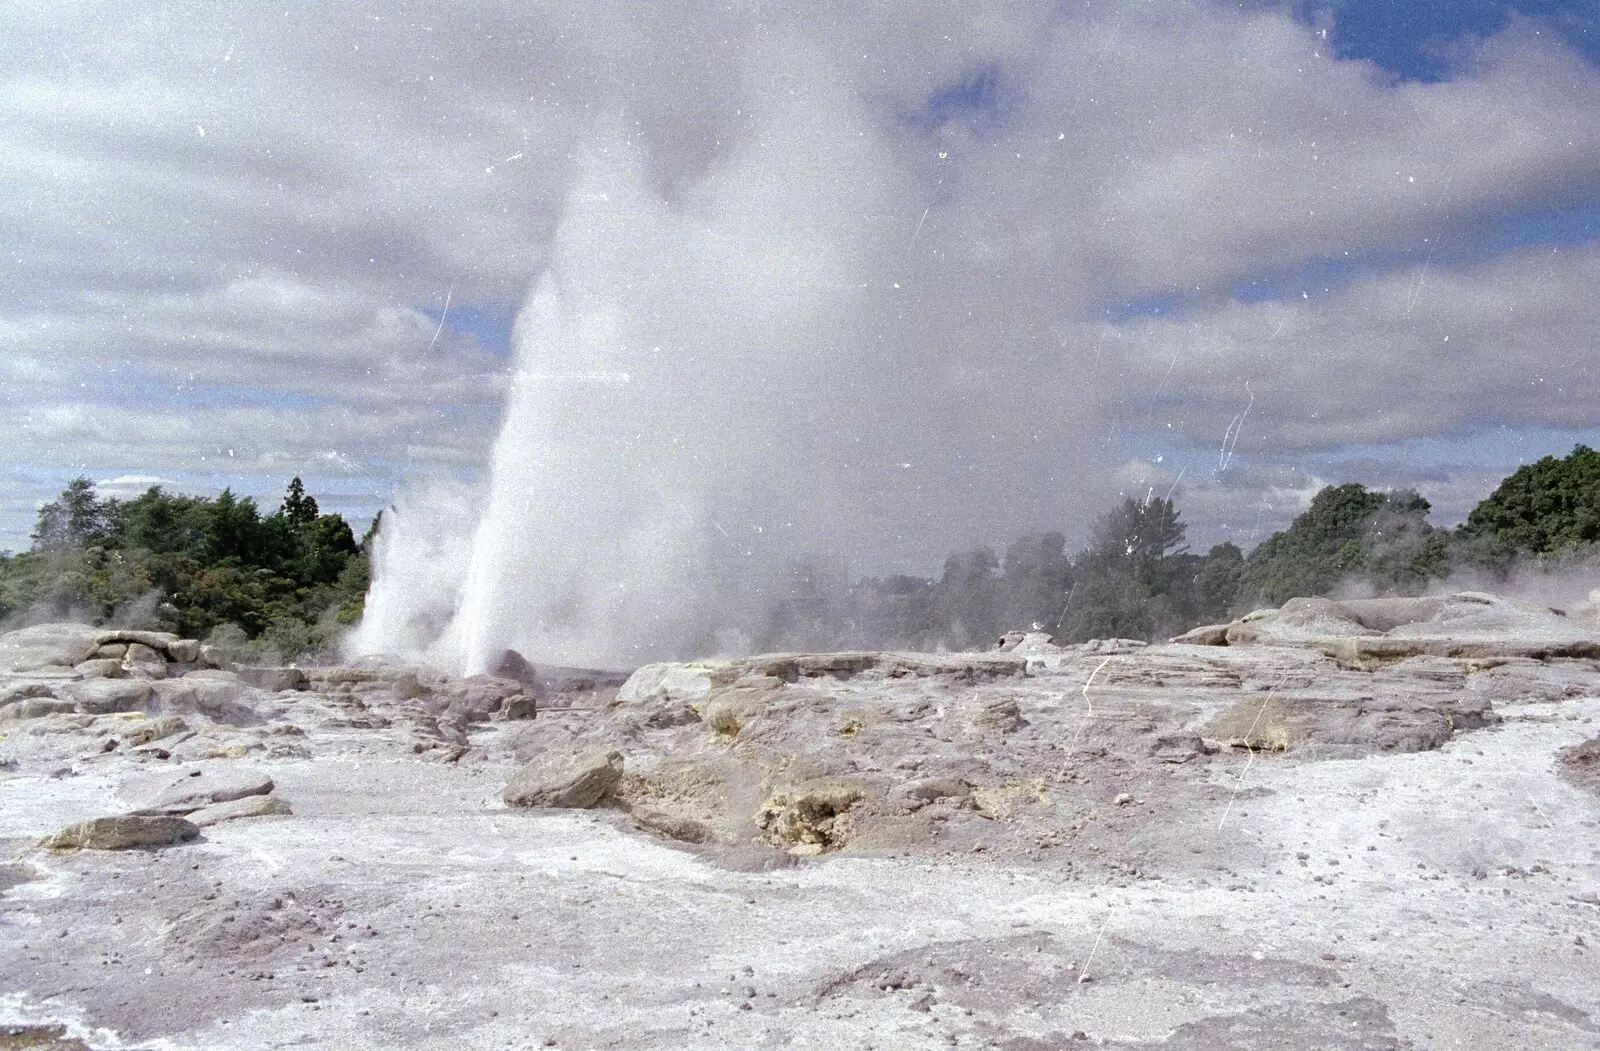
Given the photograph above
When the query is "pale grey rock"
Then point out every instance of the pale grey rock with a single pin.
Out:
(112, 650)
(1027, 643)
(233, 809)
(474, 698)
(1466, 624)
(1114, 646)
(143, 661)
(101, 696)
(666, 682)
(519, 708)
(151, 730)
(47, 646)
(122, 833)
(1178, 748)
(139, 653)
(34, 707)
(571, 779)
(213, 656)
(101, 668)
(155, 640)
(21, 687)
(183, 651)
(1205, 635)
(271, 679)
(223, 700)
(191, 788)
(929, 789)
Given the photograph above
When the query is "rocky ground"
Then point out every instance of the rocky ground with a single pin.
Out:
(1357, 825)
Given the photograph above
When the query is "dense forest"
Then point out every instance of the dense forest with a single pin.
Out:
(287, 583)
(281, 584)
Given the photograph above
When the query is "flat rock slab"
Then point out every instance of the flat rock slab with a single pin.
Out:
(100, 696)
(191, 788)
(574, 779)
(122, 833)
(48, 646)
(249, 806)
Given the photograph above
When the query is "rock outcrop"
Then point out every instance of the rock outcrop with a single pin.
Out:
(189, 789)
(1467, 624)
(573, 779)
(122, 833)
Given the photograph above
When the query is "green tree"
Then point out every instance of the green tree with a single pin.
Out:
(1130, 582)
(1216, 582)
(298, 509)
(190, 564)
(74, 520)
(1348, 532)
(1543, 508)
(1034, 581)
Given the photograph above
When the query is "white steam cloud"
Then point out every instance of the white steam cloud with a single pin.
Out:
(841, 289)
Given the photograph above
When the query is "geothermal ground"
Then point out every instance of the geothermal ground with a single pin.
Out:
(1364, 825)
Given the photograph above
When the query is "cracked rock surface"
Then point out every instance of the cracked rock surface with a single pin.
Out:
(1258, 844)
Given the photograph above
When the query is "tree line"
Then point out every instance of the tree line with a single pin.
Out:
(287, 582)
(1136, 579)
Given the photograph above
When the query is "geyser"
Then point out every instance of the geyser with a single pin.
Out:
(809, 341)
(677, 422)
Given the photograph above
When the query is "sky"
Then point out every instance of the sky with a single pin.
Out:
(993, 266)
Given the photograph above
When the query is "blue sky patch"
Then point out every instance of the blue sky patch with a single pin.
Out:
(491, 328)
(1432, 40)
(975, 102)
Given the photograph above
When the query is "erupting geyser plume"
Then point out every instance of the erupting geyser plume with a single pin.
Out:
(675, 379)
(784, 313)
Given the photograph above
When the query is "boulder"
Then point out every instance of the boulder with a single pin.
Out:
(189, 789)
(213, 656)
(811, 819)
(48, 646)
(34, 707)
(1466, 624)
(121, 833)
(1581, 763)
(572, 779)
(183, 651)
(1205, 635)
(478, 696)
(143, 660)
(101, 668)
(666, 682)
(918, 794)
(155, 640)
(112, 651)
(1026, 642)
(271, 679)
(1178, 748)
(22, 689)
(519, 708)
(223, 700)
(248, 806)
(513, 665)
(156, 729)
(102, 696)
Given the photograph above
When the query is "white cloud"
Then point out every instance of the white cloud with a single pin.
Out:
(801, 229)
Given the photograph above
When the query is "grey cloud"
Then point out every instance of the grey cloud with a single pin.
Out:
(358, 162)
